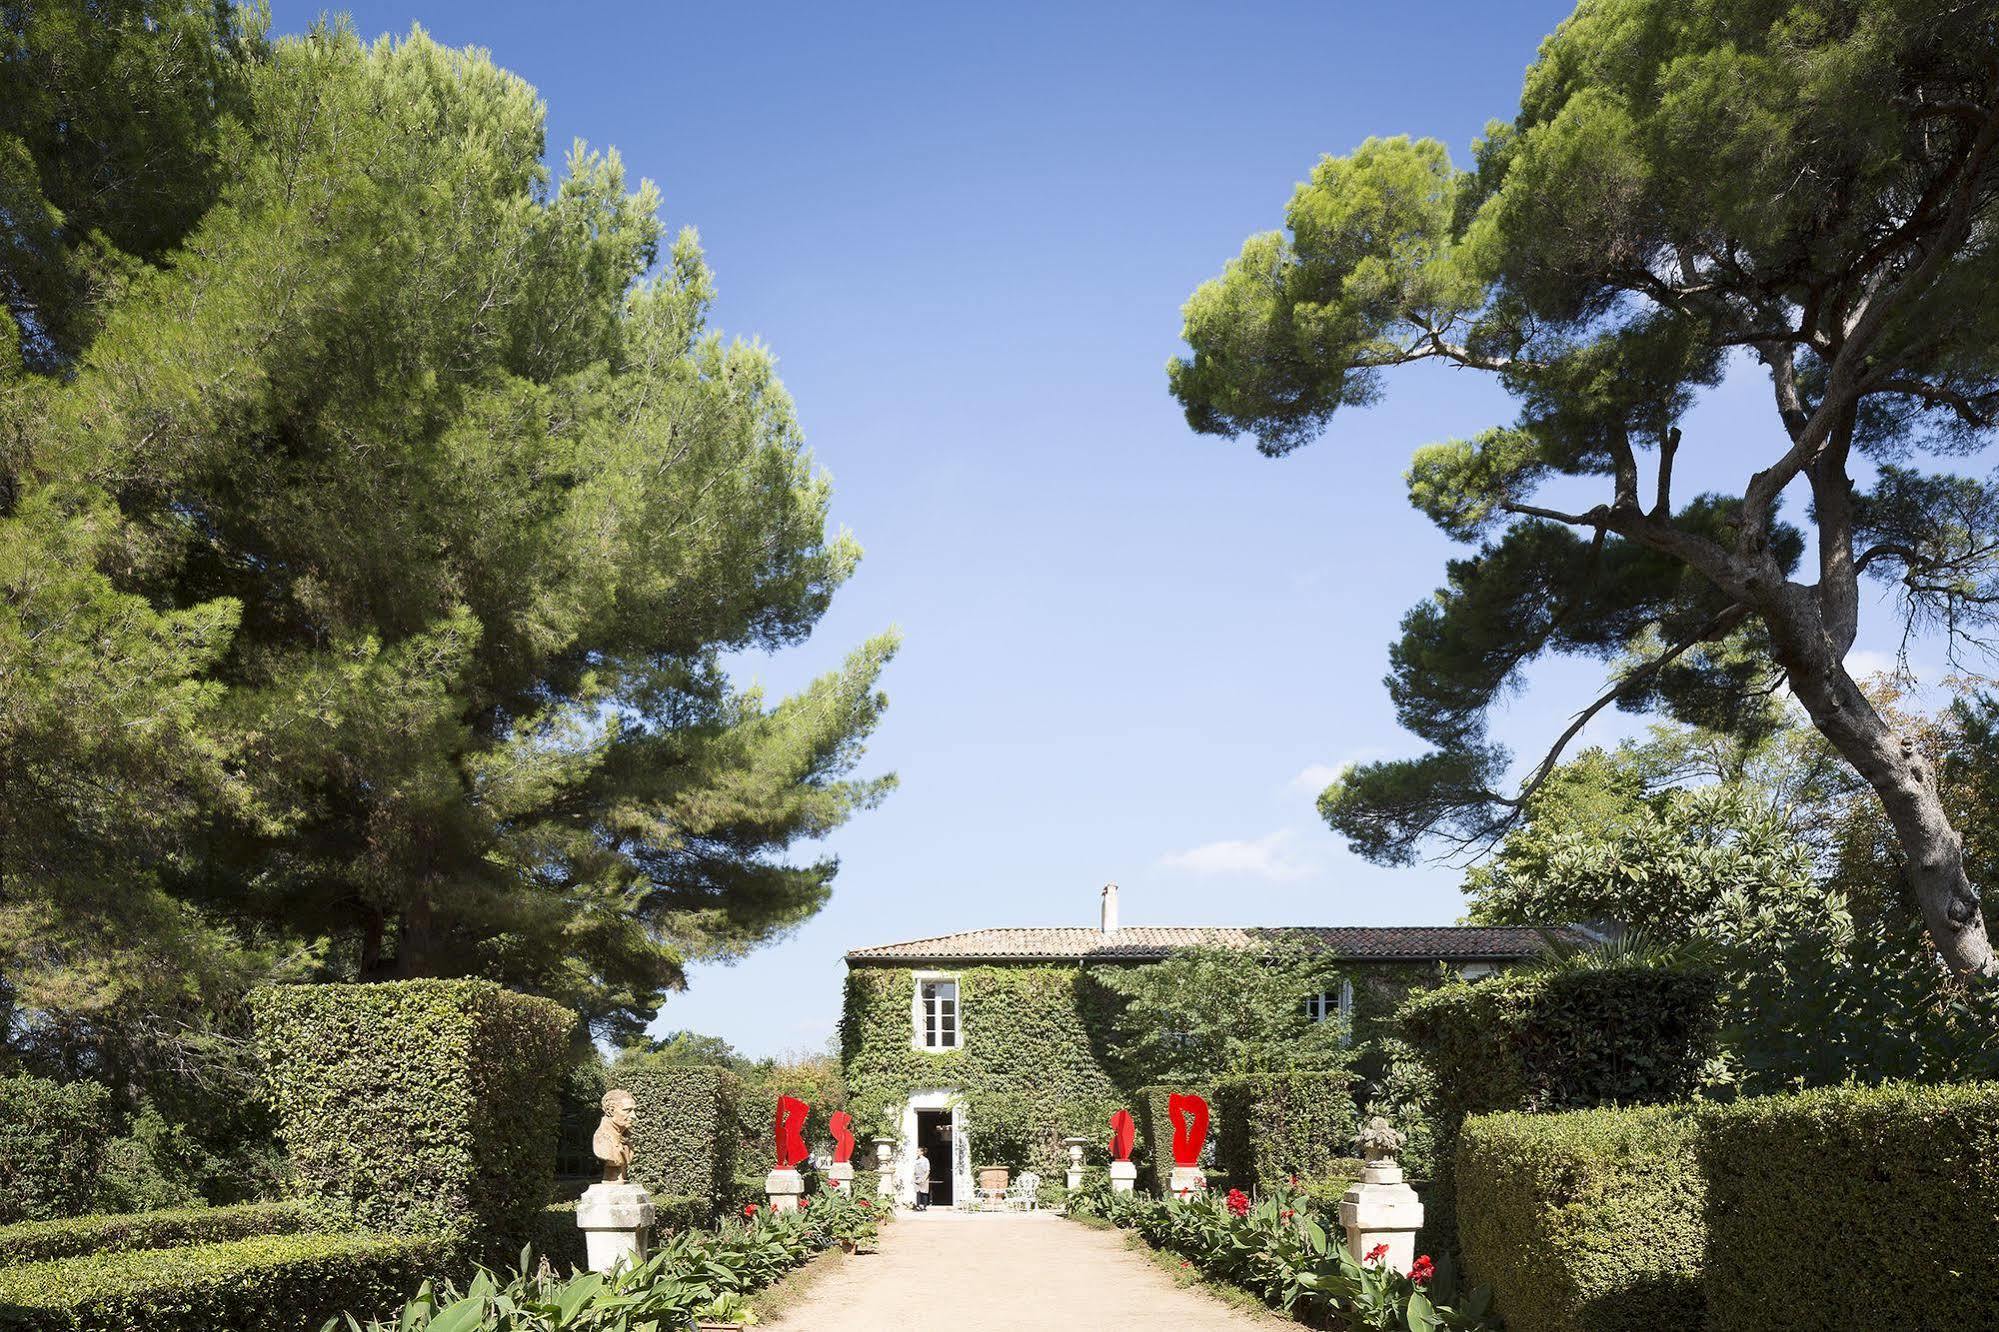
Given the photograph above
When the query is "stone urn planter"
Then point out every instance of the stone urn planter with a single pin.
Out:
(992, 1179)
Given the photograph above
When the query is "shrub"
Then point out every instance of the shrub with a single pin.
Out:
(1588, 1221)
(418, 1106)
(52, 1137)
(1563, 1040)
(269, 1283)
(683, 1133)
(1272, 1127)
(46, 1241)
(1874, 1207)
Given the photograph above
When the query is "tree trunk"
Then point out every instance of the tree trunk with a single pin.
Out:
(1933, 853)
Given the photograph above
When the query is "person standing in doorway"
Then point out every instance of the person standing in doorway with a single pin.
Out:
(922, 1179)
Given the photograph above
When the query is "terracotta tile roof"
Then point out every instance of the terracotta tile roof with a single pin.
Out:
(1392, 943)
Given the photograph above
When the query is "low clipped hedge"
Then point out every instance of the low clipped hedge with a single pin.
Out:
(418, 1106)
(684, 1130)
(1849, 1208)
(46, 1241)
(269, 1283)
(1271, 1128)
(1585, 1222)
(52, 1136)
(1549, 1041)
(1155, 1129)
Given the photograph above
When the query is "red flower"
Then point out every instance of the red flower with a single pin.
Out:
(862, 1201)
(749, 1209)
(1376, 1254)
(1185, 1263)
(1238, 1202)
(1294, 1181)
(1423, 1270)
(1284, 1215)
(804, 1203)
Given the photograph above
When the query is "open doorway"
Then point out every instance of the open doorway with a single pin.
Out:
(933, 1135)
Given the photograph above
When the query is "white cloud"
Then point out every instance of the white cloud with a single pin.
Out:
(1315, 777)
(1262, 858)
(1864, 662)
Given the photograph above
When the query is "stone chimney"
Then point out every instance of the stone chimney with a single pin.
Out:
(1108, 919)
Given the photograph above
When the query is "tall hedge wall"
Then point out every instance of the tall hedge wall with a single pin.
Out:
(1271, 1127)
(52, 1136)
(683, 1132)
(1560, 1040)
(417, 1106)
(1032, 1071)
(1588, 1221)
(1850, 1208)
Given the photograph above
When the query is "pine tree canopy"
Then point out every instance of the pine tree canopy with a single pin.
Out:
(373, 545)
(1688, 184)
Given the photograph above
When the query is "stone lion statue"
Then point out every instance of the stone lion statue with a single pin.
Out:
(612, 1142)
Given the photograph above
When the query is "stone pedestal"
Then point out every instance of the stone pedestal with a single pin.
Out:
(1187, 1179)
(1381, 1209)
(783, 1188)
(1123, 1176)
(841, 1176)
(616, 1221)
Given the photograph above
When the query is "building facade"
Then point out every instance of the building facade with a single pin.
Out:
(991, 1045)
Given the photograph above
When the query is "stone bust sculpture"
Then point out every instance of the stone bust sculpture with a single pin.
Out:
(613, 1140)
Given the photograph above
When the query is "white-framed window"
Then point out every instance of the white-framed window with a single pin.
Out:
(1331, 1004)
(934, 1015)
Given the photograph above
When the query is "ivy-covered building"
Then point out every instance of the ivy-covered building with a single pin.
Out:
(992, 1044)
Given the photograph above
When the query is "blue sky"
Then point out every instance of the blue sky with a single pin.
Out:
(1131, 653)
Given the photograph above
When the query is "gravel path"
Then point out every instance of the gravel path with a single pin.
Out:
(999, 1273)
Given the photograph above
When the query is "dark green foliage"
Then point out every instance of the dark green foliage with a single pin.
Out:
(418, 1105)
(579, 1107)
(683, 1138)
(1272, 1127)
(269, 1283)
(1853, 1208)
(1588, 1221)
(46, 1241)
(1567, 1040)
(1034, 1069)
(52, 1137)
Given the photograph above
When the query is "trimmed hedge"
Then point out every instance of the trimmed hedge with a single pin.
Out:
(52, 1136)
(1848, 1208)
(1563, 1040)
(1272, 1127)
(418, 1106)
(270, 1283)
(1588, 1221)
(1155, 1130)
(46, 1241)
(684, 1128)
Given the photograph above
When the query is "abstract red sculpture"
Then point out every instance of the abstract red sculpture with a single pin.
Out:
(1123, 1133)
(789, 1127)
(1188, 1114)
(842, 1126)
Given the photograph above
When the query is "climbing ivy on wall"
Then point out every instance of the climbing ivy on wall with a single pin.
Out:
(1033, 1067)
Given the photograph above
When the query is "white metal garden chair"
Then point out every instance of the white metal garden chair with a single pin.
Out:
(1025, 1193)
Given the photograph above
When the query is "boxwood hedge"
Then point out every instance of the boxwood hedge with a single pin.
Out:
(1562, 1040)
(684, 1129)
(269, 1283)
(46, 1241)
(1849, 1208)
(1272, 1127)
(52, 1135)
(418, 1106)
(1584, 1222)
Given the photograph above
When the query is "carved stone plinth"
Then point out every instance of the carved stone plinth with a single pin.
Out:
(616, 1221)
(1187, 1179)
(1123, 1176)
(1381, 1209)
(783, 1188)
(841, 1176)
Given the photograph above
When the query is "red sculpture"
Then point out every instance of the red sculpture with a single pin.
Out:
(843, 1136)
(1188, 1114)
(1123, 1133)
(789, 1127)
